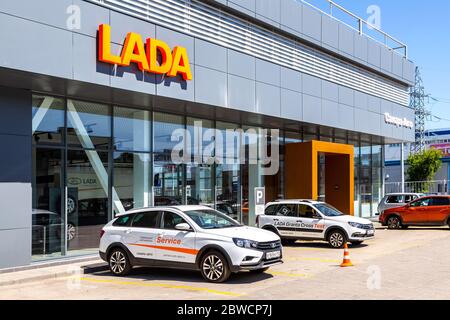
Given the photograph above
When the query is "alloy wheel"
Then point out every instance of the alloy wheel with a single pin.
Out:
(393, 223)
(336, 239)
(213, 267)
(117, 262)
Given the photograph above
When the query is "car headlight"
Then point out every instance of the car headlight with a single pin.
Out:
(356, 225)
(244, 243)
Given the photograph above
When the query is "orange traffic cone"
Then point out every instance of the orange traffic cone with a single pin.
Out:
(346, 262)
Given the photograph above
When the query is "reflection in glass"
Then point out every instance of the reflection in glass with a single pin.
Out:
(168, 182)
(163, 127)
(131, 129)
(199, 174)
(48, 120)
(47, 217)
(228, 185)
(132, 179)
(88, 125)
(87, 202)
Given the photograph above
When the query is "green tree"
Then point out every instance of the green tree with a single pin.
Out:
(423, 165)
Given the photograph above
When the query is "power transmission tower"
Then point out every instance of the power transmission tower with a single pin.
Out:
(417, 102)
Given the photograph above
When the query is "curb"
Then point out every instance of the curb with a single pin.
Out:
(84, 269)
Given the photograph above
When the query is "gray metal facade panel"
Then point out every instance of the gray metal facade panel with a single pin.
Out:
(291, 79)
(48, 49)
(15, 249)
(268, 99)
(211, 86)
(18, 215)
(291, 104)
(210, 55)
(240, 64)
(237, 86)
(241, 93)
(330, 33)
(269, 9)
(330, 113)
(291, 17)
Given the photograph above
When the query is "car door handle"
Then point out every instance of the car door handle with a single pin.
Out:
(128, 231)
(299, 221)
(276, 219)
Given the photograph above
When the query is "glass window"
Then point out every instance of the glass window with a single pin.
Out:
(394, 199)
(147, 220)
(132, 179)
(199, 174)
(271, 210)
(48, 120)
(328, 210)
(170, 220)
(440, 201)
(409, 198)
(131, 129)
(47, 214)
(168, 182)
(122, 221)
(227, 184)
(88, 125)
(164, 125)
(421, 202)
(306, 211)
(287, 210)
(211, 219)
(87, 203)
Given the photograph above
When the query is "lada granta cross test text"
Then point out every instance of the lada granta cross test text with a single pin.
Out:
(187, 237)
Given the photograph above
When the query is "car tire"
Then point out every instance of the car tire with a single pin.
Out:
(214, 267)
(405, 227)
(257, 271)
(337, 239)
(118, 262)
(393, 223)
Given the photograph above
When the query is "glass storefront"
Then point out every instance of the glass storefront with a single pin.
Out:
(92, 161)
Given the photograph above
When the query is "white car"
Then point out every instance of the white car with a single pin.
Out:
(187, 237)
(312, 220)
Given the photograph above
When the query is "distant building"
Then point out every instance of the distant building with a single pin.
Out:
(438, 138)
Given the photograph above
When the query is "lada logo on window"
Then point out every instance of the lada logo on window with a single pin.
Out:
(154, 56)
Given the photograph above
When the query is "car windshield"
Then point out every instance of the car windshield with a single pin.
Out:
(211, 219)
(328, 210)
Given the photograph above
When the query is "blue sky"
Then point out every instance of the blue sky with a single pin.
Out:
(425, 27)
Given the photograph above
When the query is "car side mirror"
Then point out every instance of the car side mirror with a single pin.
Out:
(183, 227)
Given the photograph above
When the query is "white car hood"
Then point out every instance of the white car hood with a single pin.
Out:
(248, 233)
(347, 218)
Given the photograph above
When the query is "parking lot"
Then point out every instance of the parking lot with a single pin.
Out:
(397, 264)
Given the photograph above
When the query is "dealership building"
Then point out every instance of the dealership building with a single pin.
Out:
(94, 95)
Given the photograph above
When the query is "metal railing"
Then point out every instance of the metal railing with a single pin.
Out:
(439, 187)
(361, 23)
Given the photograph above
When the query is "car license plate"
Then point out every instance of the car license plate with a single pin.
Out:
(370, 232)
(273, 255)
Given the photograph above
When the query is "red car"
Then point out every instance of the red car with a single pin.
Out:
(426, 211)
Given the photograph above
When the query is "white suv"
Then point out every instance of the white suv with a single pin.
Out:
(187, 237)
(312, 220)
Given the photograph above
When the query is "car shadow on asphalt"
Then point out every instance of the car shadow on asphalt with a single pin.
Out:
(160, 274)
(321, 245)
